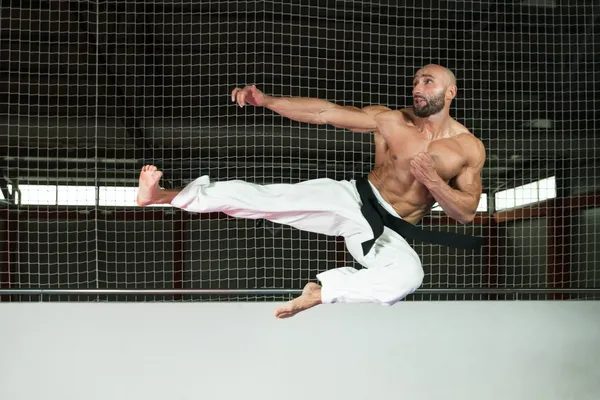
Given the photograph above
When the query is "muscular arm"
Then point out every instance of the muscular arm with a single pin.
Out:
(318, 111)
(461, 203)
(311, 110)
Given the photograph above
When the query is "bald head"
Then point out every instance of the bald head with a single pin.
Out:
(439, 72)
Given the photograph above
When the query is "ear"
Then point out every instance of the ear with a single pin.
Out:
(451, 92)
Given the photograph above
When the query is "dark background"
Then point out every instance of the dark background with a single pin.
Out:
(92, 90)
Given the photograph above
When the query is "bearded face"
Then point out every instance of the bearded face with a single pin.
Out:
(424, 106)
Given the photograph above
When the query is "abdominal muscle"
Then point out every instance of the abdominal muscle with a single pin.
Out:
(409, 198)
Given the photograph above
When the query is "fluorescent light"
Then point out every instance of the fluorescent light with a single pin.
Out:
(54, 195)
(530, 193)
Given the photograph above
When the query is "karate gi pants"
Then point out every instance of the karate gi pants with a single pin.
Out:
(392, 269)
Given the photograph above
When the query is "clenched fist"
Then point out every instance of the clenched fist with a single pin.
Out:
(249, 94)
(423, 169)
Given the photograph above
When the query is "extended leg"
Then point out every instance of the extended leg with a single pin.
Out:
(322, 206)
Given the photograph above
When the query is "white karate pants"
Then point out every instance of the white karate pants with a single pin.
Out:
(392, 270)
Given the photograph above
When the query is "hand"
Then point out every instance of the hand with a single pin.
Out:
(249, 94)
(423, 169)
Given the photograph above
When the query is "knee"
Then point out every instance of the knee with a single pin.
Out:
(401, 284)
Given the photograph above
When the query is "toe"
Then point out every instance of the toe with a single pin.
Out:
(282, 312)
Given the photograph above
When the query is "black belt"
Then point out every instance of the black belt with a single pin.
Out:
(378, 217)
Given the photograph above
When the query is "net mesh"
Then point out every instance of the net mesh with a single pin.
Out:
(92, 91)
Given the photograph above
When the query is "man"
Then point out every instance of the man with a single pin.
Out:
(422, 156)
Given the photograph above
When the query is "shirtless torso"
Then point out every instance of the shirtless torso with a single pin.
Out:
(397, 142)
(417, 161)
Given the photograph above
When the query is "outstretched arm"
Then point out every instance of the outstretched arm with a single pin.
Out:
(460, 203)
(311, 110)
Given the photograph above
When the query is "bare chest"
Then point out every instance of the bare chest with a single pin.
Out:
(447, 155)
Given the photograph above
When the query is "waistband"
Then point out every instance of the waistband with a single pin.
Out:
(377, 216)
(388, 207)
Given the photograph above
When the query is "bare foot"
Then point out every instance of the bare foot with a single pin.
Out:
(149, 191)
(311, 296)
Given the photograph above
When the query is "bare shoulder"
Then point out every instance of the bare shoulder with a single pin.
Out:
(473, 147)
(375, 110)
(408, 115)
(386, 114)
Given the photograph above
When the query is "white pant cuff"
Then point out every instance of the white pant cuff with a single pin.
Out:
(190, 192)
(326, 296)
(328, 291)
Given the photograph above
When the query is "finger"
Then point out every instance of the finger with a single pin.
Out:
(422, 172)
(417, 164)
(234, 93)
(428, 158)
(418, 176)
(415, 169)
(240, 98)
(254, 92)
(417, 161)
(425, 162)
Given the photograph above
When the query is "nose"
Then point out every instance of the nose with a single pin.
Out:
(417, 91)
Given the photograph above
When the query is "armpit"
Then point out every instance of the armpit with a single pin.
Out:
(452, 183)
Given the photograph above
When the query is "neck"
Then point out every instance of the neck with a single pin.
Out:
(435, 126)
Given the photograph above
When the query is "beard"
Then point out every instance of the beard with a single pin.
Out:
(433, 105)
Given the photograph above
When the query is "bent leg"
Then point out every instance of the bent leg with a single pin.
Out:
(393, 271)
(322, 206)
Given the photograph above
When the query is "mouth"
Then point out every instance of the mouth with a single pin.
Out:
(419, 102)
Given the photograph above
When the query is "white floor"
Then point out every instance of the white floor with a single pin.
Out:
(414, 350)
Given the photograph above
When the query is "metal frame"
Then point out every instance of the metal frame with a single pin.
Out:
(494, 221)
(137, 292)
